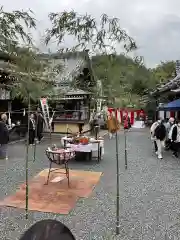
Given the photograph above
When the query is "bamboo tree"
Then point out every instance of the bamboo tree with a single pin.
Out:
(27, 158)
(99, 36)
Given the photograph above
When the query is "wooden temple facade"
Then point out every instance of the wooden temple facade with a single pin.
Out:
(166, 93)
(72, 96)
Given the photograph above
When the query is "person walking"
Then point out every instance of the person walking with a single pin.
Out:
(113, 126)
(32, 128)
(168, 126)
(4, 137)
(126, 121)
(39, 125)
(160, 136)
(152, 132)
(174, 136)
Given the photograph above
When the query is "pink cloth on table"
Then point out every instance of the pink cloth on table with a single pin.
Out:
(82, 147)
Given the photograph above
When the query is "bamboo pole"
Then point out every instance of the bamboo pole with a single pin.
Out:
(117, 186)
(50, 129)
(35, 146)
(125, 147)
(67, 127)
(27, 159)
(50, 133)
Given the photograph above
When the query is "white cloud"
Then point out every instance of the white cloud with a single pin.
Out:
(153, 23)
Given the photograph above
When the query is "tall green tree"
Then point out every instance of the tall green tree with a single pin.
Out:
(164, 71)
(123, 78)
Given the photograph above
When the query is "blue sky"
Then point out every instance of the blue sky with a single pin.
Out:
(155, 24)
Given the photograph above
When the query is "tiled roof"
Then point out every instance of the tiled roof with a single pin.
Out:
(170, 85)
(70, 91)
(72, 65)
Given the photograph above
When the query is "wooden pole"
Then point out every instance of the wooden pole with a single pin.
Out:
(27, 159)
(117, 186)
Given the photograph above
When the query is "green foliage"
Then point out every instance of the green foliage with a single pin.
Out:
(123, 78)
(126, 80)
(99, 36)
(33, 74)
(164, 71)
(28, 68)
(13, 26)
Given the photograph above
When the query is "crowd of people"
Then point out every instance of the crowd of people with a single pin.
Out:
(166, 134)
(36, 123)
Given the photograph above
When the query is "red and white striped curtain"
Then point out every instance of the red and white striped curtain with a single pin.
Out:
(120, 113)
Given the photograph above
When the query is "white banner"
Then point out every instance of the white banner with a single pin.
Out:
(45, 110)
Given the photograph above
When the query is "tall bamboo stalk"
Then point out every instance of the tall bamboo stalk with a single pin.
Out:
(50, 128)
(35, 146)
(125, 147)
(117, 187)
(50, 134)
(27, 158)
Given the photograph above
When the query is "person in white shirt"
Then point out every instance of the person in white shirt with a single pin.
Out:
(168, 126)
(152, 131)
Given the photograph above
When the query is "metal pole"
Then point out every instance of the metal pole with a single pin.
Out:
(117, 197)
(125, 148)
(27, 158)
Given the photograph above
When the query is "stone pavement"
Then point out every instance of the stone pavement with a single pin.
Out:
(149, 194)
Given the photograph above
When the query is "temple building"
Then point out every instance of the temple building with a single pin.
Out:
(72, 93)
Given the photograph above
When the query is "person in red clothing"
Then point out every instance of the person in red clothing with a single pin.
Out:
(142, 117)
(127, 123)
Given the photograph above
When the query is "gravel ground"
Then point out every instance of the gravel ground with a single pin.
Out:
(149, 194)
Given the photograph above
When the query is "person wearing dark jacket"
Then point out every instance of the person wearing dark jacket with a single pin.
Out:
(32, 128)
(160, 135)
(175, 138)
(39, 125)
(4, 137)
